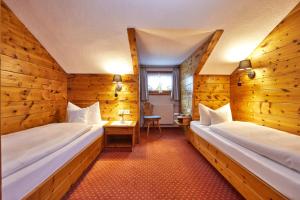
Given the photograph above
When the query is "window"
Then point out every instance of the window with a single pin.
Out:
(159, 82)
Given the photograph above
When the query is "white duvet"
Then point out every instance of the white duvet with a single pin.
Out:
(276, 145)
(23, 148)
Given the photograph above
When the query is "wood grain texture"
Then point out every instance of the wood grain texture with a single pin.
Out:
(273, 97)
(33, 85)
(57, 185)
(209, 47)
(210, 90)
(190, 68)
(248, 184)
(136, 71)
(86, 89)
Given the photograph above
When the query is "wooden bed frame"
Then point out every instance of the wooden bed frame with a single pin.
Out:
(244, 181)
(58, 184)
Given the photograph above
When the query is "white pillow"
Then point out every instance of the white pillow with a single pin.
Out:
(220, 115)
(94, 116)
(72, 106)
(93, 112)
(78, 116)
(204, 114)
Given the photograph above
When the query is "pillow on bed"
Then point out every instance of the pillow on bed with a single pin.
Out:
(220, 115)
(93, 112)
(204, 114)
(94, 116)
(78, 116)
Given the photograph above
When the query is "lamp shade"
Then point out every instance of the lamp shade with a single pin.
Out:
(245, 65)
(117, 78)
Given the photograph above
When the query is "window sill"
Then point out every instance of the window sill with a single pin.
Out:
(159, 93)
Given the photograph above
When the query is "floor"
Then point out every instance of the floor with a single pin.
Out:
(161, 167)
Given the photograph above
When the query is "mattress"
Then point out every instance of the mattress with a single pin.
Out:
(20, 183)
(276, 145)
(22, 148)
(283, 179)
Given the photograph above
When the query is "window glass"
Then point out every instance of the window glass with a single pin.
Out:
(159, 81)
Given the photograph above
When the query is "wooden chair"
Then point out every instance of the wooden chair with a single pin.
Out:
(149, 118)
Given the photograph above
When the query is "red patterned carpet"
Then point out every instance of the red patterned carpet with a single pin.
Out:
(164, 167)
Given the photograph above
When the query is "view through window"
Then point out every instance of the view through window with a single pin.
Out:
(159, 82)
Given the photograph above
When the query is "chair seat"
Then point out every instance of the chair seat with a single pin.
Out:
(152, 117)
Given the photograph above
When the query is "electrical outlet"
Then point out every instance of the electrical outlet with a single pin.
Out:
(126, 112)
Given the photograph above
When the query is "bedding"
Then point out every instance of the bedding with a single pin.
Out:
(283, 179)
(18, 184)
(209, 116)
(78, 116)
(23, 148)
(277, 145)
(90, 115)
(204, 114)
(220, 115)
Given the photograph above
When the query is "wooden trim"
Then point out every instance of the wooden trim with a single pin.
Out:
(159, 93)
(133, 50)
(136, 70)
(58, 184)
(212, 43)
(244, 181)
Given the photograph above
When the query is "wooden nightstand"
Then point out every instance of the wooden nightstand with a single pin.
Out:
(120, 136)
(184, 122)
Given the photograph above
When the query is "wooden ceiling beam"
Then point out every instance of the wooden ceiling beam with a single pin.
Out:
(210, 45)
(133, 50)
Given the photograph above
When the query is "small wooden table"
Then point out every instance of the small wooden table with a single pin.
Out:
(120, 136)
(183, 121)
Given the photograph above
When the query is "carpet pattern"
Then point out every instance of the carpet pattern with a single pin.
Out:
(164, 167)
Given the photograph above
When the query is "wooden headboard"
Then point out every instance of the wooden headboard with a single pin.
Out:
(272, 98)
(33, 85)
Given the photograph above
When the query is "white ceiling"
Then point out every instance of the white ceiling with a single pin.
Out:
(168, 46)
(90, 36)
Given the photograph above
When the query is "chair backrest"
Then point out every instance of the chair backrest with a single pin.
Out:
(148, 108)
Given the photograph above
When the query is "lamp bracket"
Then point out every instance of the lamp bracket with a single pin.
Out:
(251, 74)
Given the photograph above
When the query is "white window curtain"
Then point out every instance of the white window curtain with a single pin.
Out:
(175, 95)
(143, 84)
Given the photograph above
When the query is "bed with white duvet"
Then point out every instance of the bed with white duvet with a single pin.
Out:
(271, 155)
(29, 157)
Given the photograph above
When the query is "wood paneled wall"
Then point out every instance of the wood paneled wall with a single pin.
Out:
(187, 70)
(33, 85)
(273, 97)
(210, 90)
(84, 90)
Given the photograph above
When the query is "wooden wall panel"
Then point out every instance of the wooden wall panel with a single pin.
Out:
(210, 90)
(187, 70)
(33, 85)
(86, 89)
(273, 97)
(190, 69)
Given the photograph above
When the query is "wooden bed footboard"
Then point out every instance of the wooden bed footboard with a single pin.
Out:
(244, 181)
(58, 184)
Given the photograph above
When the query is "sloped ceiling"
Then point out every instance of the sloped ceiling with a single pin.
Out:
(90, 36)
(168, 46)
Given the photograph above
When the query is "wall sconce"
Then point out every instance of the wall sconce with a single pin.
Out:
(118, 80)
(246, 65)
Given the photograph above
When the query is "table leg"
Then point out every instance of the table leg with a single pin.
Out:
(158, 124)
(148, 128)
